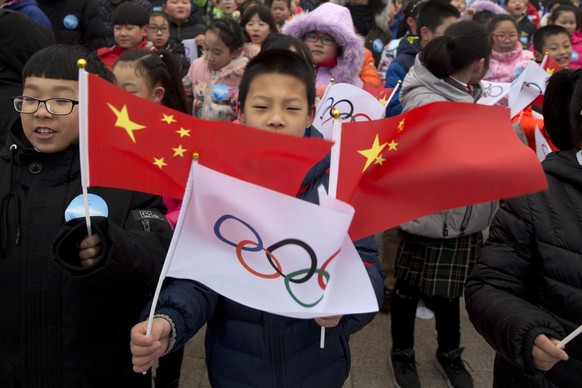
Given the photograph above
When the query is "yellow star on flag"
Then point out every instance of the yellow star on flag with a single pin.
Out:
(124, 122)
(379, 160)
(184, 132)
(392, 145)
(401, 126)
(179, 151)
(168, 118)
(550, 70)
(160, 162)
(383, 100)
(372, 153)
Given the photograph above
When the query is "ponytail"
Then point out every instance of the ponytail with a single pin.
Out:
(462, 44)
(562, 108)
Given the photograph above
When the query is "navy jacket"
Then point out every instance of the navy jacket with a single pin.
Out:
(407, 50)
(251, 348)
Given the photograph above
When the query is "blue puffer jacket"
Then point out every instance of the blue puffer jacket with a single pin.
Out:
(407, 50)
(30, 9)
(251, 348)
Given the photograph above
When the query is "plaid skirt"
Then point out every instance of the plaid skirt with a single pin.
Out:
(438, 267)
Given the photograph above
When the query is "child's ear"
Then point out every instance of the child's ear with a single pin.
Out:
(239, 114)
(311, 117)
(159, 93)
(539, 57)
(236, 53)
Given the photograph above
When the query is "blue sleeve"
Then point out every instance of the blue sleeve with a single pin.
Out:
(38, 16)
(394, 74)
(188, 303)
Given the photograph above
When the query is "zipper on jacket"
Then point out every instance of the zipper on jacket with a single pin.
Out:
(273, 332)
(445, 226)
(146, 225)
(466, 219)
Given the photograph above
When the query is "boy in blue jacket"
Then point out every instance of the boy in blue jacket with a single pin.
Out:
(244, 346)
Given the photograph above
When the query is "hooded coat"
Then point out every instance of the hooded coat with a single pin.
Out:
(528, 279)
(30, 9)
(336, 21)
(507, 66)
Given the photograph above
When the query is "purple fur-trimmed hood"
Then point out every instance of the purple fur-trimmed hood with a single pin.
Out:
(336, 21)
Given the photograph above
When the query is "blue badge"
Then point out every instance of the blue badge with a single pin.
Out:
(220, 92)
(71, 22)
(575, 56)
(377, 45)
(76, 209)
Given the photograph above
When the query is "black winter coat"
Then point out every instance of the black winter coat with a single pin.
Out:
(528, 280)
(246, 347)
(75, 22)
(63, 325)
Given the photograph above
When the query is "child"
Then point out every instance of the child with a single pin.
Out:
(337, 51)
(244, 346)
(159, 35)
(154, 75)
(257, 22)
(60, 287)
(226, 8)
(437, 252)
(185, 23)
(508, 58)
(434, 16)
(567, 16)
(525, 292)
(554, 41)
(517, 9)
(213, 79)
(281, 10)
(129, 32)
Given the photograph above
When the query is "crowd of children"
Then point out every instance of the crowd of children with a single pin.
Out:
(243, 61)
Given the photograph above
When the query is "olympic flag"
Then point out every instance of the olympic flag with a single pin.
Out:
(355, 104)
(267, 250)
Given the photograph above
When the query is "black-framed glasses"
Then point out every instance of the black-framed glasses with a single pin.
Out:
(156, 28)
(55, 106)
(313, 37)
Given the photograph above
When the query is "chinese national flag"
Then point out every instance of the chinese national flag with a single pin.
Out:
(436, 157)
(550, 65)
(135, 144)
(380, 93)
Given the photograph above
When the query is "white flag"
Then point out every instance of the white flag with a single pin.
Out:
(493, 92)
(267, 250)
(353, 103)
(527, 87)
(542, 146)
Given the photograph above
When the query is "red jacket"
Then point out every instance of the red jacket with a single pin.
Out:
(109, 55)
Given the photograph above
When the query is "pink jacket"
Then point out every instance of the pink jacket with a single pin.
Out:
(505, 67)
(214, 92)
(576, 62)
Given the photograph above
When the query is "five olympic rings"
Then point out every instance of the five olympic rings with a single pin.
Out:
(297, 277)
(346, 111)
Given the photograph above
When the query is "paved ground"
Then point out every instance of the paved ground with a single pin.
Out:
(370, 348)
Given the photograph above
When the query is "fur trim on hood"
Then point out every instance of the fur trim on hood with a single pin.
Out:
(483, 5)
(336, 21)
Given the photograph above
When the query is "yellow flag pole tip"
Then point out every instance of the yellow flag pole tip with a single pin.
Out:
(399, 81)
(335, 114)
(332, 80)
(81, 63)
(195, 155)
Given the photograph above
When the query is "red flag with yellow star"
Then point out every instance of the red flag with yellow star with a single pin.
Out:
(435, 157)
(131, 143)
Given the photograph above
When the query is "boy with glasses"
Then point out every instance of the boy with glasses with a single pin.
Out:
(58, 286)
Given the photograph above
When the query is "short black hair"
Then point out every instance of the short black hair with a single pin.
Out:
(277, 61)
(542, 33)
(484, 17)
(410, 11)
(230, 32)
(130, 14)
(60, 62)
(288, 42)
(288, 2)
(433, 12)
(561, 109)
(556, 12)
